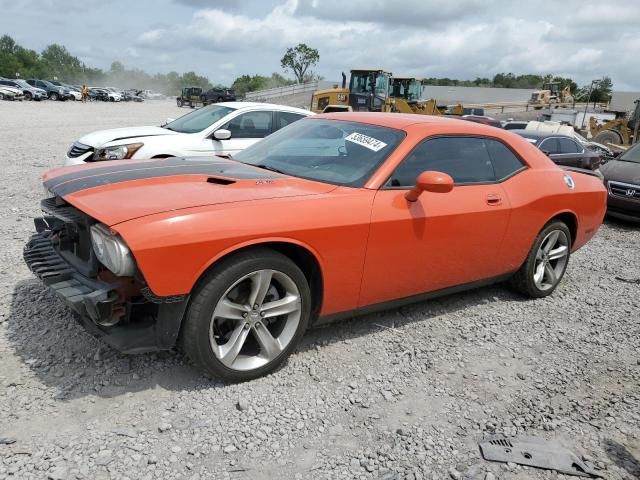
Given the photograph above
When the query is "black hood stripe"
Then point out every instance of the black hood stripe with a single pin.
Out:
(123, 171)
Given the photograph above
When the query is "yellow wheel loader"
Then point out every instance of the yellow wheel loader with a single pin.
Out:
(376, 90)
(550, 93)
(622, 130)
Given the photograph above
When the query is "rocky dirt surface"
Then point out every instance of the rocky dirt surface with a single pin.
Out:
(404, 394)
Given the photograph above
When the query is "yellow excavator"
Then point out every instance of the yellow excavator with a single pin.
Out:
(622, 130)
(376, 90)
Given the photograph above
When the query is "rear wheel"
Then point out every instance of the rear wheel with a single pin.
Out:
(608, 136)
(179, 102)
(247, 315)
(546, 263)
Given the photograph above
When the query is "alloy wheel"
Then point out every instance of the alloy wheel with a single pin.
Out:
(551, 260)
(255, 320)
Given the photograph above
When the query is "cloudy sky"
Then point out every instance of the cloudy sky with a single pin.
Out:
(226, 38)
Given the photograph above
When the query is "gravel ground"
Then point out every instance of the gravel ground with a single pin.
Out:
(404, 394)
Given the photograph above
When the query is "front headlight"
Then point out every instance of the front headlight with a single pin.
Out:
(111, 251)
(117, 153)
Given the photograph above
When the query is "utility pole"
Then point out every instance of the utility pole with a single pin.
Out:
(584, 117)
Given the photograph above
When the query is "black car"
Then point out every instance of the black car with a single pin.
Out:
(562, 149)
(98, 94)
(622, 179)
(216, 95)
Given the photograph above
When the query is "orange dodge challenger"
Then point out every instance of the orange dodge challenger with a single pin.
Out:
(333, 215)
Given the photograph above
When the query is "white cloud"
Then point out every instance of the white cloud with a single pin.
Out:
(464, 39)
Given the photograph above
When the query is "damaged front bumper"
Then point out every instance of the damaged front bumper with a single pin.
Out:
(100, 305)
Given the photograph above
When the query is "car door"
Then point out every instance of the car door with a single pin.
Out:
(571, 154)
(246, 129)
(443, 239)
(551, 147)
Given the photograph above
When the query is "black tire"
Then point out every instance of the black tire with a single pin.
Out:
(28, 97)
(608, 136)
(219, 99)
(195, 333)
(54, 96)
(179, 102)
(523, 280)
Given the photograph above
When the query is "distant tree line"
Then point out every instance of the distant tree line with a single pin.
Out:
(56, 61)
(600, 93)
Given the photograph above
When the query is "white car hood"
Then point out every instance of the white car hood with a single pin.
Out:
(102, 137)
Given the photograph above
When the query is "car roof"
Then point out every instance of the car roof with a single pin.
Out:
(263, 106)
(403, 120)
(536, 134)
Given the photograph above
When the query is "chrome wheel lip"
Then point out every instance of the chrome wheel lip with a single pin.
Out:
(249, 319)
(551, 260)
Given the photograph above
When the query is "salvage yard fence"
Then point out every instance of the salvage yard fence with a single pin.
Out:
(277, 92)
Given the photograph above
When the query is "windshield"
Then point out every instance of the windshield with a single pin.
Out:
(409, 89)
(200, 119)
(22, 83)
(631, 155)
(330, 151)
(361, 82)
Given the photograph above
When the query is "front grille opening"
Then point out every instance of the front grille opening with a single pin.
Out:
(78, 149)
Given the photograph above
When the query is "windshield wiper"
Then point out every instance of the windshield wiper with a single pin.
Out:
(271, 169)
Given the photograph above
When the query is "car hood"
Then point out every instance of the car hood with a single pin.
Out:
(621, 171)
(99, 138)
(116, 191)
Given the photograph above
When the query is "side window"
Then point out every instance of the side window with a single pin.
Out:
(466, 159)
(568, 146)
(550, 145)
(504, 160)
(251, 125)
(287, 118)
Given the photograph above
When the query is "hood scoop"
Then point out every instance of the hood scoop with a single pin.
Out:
(220, 181)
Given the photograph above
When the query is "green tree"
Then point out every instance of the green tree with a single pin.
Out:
(60, 63)
(602, 91)
(299, 59)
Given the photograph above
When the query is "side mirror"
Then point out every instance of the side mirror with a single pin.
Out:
(222, 134)
(430, 181)
(546, 152)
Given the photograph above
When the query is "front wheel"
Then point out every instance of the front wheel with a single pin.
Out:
(247, 315)
(546, 263)
(179, 102)
(54, 96)
(28, 97)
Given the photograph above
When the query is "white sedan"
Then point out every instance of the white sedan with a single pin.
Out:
(222, 128)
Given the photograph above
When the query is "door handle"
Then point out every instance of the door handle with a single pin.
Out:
(494, 199)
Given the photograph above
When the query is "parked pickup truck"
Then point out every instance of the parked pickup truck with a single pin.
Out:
(216, 95)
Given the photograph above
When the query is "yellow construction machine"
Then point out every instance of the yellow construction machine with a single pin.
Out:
(549, 94)
(622, 130)
(368, 91)
(376, 90)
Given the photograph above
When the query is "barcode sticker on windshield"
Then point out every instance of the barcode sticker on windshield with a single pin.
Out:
(368, 142)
